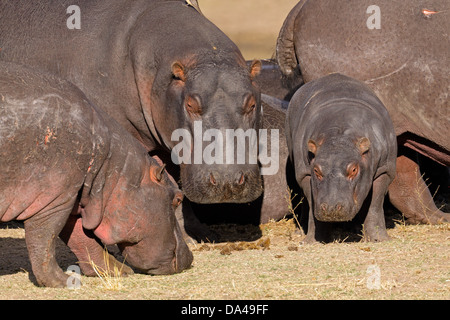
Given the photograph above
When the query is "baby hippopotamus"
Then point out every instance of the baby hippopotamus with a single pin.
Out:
(343, 148)
(69, 170)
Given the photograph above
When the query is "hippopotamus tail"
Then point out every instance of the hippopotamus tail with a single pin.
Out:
(285, 50)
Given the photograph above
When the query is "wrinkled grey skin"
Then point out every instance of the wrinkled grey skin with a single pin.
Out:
(154, 66)
(343, 147)
(405, 62)
(68, 169)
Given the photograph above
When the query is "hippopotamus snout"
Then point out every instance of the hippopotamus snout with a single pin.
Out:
(159, 261)
(333, 213)
(222, 183)
(237, 180)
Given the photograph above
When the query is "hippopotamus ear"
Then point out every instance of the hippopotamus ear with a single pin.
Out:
(178, 71)
(312, 146)
(363, 145)
(255, 68)
(91, 215)
(156, 173)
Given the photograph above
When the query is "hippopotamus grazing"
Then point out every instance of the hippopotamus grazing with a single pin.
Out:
(155, 66)
(343, 148)
(66, 167)
(401, 50)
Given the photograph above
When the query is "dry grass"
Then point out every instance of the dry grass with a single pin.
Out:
(413, 265)
(109, 276)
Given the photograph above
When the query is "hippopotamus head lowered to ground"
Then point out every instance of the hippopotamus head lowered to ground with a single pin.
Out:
(343, 148)
(62, 158)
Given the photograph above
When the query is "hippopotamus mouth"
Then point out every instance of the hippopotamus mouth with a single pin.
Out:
(337, 213)
(237, 185)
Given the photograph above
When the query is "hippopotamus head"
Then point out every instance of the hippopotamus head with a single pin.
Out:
(188, 71)
(217, 104)
(341, 177)
(139, 217)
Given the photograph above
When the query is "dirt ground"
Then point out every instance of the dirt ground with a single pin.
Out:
(413, 265)
(272, 263)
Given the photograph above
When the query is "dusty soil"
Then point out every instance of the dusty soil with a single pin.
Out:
(413, 265)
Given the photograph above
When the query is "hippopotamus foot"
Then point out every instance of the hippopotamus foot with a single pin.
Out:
(374, 224)
(192, 229)
(411, 196)
(41, 230)
(89, 250)
(319, 232)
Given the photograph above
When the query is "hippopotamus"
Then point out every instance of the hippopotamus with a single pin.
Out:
(67, 167)
(271, 205)
(343, 147)
(155, 66)
(274, 84)
(401, 50)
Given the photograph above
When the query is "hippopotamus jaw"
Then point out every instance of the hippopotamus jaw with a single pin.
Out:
(213, 185)
(337, 213)
(168, 262)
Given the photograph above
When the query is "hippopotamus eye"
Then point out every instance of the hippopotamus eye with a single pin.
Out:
(193, 106)
(177, 200)
(318, 173)
(352, 170)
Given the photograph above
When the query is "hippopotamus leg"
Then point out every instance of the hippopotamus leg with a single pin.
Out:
(187, 220)
(317, 231)
(41, 230)
(88, 248)
(374, 223)
(193, 229)
(410, 194)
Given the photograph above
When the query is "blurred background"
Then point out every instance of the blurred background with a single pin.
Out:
(252, 24)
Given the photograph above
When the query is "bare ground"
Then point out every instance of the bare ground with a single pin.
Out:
(413, 265)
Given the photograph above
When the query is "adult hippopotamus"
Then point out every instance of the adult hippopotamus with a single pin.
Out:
(155, 66)
(66, 167)
(401, 50)
(343, 147)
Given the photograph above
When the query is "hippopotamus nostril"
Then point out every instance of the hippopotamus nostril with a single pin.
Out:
(324, 207)
(212, 179)
(240, 178)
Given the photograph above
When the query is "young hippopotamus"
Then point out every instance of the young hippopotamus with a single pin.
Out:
(343, 148)
(66, 167)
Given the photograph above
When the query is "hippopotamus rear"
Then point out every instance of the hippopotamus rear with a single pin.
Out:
(343, 148)
(66, 166)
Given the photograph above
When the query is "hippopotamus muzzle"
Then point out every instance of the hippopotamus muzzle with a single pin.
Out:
(155, 261)
(221, 183)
